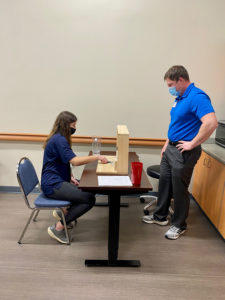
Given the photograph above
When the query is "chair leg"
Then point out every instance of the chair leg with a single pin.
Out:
(35, 217)
(171, 211)
(25, 228)
(154, 200)
(65, 227)
(143, 198)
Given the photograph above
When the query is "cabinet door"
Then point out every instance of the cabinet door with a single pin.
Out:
(221, 226)
(211, 204)
(208, 186)
(200, 179)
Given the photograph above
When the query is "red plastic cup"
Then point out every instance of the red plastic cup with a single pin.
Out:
(136, 171)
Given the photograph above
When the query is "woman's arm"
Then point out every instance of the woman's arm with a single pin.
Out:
(83, 160)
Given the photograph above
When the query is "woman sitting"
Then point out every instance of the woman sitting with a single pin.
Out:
(57, 182)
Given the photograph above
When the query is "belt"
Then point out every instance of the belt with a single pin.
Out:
(173, 143)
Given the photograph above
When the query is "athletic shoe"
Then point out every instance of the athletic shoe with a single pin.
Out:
(60, 236)
(57, 214)
(150, 220)
(174, 232)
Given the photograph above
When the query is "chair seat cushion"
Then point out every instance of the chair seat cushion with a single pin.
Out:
(43, 201)
(154, 171)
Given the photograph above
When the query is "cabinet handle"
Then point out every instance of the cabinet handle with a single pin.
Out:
(209, 163)
(204, 161)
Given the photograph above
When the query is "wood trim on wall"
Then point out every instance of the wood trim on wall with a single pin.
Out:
(29, 137)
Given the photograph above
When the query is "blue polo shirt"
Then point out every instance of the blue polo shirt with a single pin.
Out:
(186, 113)
(56, 166)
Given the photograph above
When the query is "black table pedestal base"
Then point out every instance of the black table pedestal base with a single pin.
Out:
(107, 263)
(107, 204)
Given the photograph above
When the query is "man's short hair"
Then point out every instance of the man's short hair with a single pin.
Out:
(175, 72)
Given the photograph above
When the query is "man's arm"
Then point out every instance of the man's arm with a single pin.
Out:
(209, 124)
(164, 147)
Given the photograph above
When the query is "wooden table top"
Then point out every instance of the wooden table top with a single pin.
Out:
(89, 179)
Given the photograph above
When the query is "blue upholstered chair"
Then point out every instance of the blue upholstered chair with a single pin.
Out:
(28, 180)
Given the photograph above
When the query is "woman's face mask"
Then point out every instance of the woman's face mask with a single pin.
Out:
(72, 130)
(72, 127)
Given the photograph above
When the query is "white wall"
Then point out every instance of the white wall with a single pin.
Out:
(105, 61)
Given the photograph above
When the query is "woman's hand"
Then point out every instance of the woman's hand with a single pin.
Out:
(103, 159)
(74, 181)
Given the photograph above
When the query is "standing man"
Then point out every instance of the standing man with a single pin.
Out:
(192, 122)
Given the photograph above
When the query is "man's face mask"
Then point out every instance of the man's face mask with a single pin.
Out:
(173, 91)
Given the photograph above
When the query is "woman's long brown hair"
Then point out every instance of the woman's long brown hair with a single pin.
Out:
(62, 126)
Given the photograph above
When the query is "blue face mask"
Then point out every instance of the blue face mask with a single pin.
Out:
(173, 91)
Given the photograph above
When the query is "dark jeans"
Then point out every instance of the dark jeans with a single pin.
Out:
(81, 202)
(176, 169)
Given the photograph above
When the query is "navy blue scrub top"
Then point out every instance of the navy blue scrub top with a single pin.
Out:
(56, 166)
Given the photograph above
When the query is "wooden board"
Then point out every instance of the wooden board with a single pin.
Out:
(109, 168)
(119, 163)
(122, 149)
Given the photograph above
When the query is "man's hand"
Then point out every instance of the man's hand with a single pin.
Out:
(74, 181)
(164, 148)
(184, 146)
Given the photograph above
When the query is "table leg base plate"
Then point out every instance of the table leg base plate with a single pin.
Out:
(106, 263)
(107, 204)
